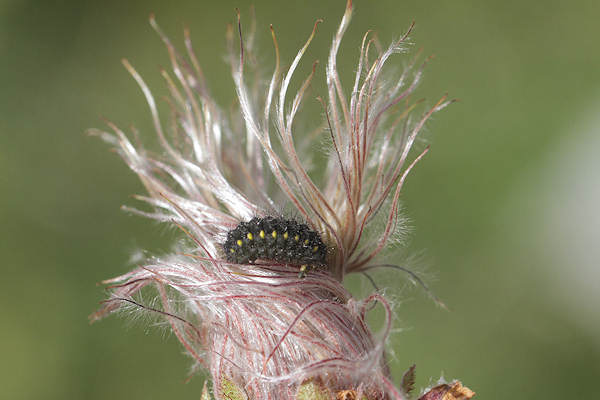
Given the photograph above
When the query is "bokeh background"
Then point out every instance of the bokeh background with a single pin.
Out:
(504, 208)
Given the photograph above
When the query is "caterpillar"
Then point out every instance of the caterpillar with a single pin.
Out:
(276, 239)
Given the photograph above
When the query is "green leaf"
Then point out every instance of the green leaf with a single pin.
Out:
(231, 391)
(312, 391)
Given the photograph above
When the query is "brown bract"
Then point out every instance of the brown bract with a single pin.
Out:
(346, 395)
(453, 391)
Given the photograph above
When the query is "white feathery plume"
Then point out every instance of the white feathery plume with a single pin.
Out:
(257, 326)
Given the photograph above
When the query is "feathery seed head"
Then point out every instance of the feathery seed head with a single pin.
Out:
(250, 320)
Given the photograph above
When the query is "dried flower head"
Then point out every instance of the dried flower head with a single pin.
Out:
(257, 327)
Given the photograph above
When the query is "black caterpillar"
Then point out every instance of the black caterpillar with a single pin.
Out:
(277, 239)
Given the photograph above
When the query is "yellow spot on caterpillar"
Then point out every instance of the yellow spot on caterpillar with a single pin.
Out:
(232, 250)
(262, 234)
(306, 241)
(315, 249)
(239, 242)
(285, 236)
(296, 238)
(250, 236)
(274, 234)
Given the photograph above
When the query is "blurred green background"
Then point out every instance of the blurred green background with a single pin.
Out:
(505, 206)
